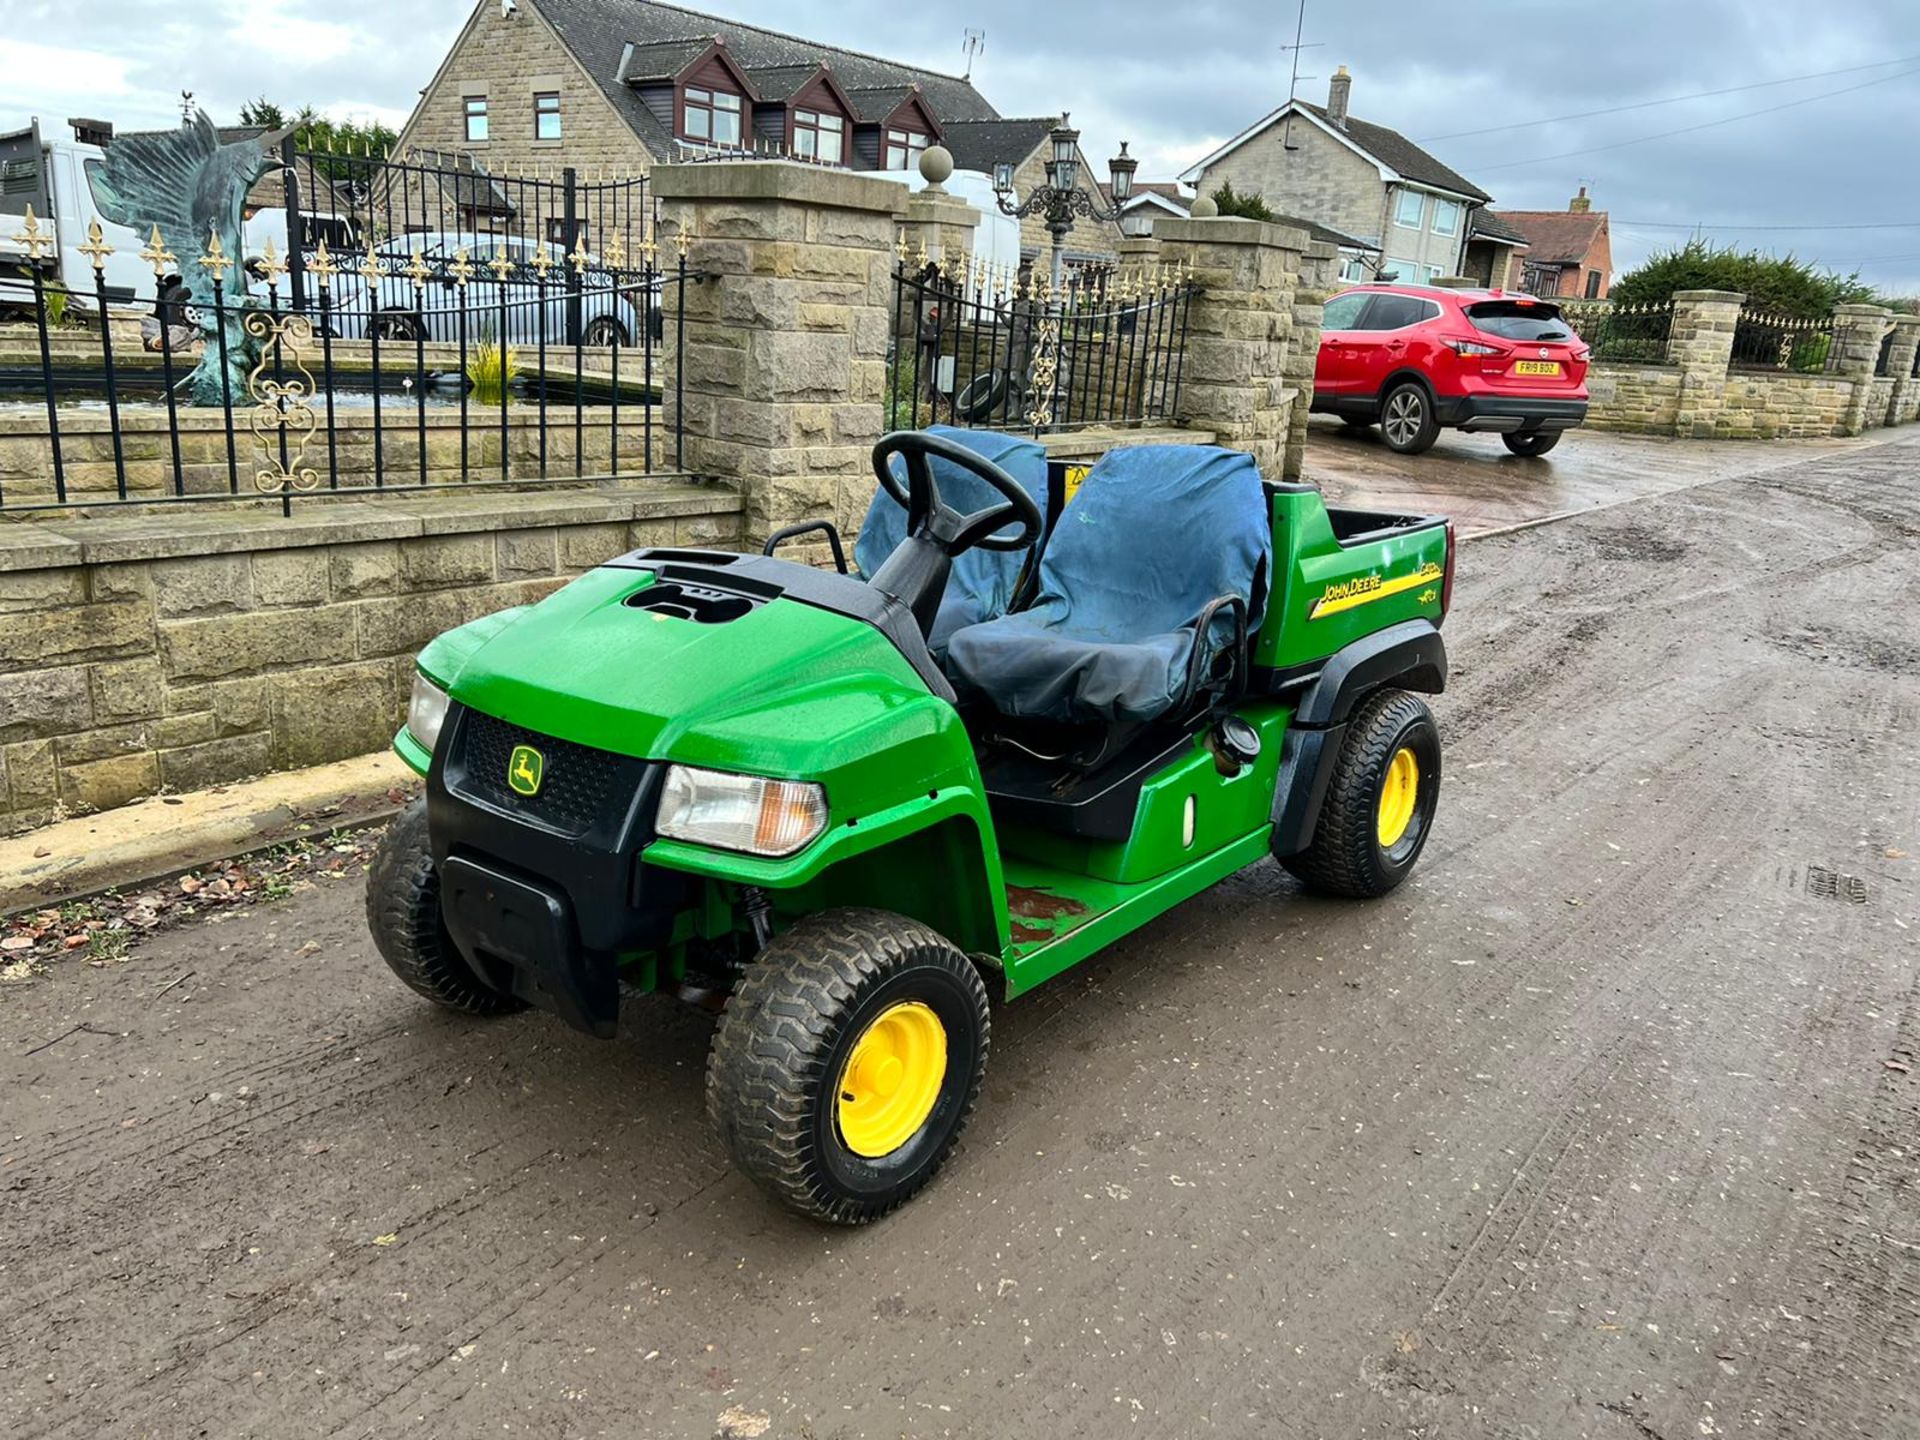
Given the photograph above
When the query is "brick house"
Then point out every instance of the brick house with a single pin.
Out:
(1410, 212)
(614, 87)
(1569, 252)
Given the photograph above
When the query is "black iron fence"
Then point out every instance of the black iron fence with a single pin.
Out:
(357, 203)
(430, 360)
(1771, 340)
(1629, 334)
(978, 346)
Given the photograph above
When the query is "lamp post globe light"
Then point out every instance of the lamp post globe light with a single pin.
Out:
(1058, 202)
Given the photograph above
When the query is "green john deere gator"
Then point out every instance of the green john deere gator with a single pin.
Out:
(849, 809)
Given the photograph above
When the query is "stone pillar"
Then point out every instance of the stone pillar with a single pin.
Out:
(1857, 333)
(1320, 267)
(787, 341)
(1241, 372)
(942, 222)
(1701, 345)
(1137, 252)
(1905, 405)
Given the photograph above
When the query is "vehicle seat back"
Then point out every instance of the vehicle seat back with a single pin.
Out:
(982, 582)
(1154, 535)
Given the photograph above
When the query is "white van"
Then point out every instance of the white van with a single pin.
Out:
(55, 178)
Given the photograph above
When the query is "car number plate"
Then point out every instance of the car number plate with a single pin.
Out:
(1536, 367)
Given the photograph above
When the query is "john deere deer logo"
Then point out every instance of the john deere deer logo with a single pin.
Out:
(525, 768)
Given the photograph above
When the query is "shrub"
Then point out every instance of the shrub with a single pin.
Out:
(1780, 284)
(491, 368)
(1249, 206)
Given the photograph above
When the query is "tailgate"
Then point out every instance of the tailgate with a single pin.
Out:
(23, 177)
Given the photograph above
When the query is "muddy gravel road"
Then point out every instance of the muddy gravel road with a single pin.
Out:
(1606, 1125)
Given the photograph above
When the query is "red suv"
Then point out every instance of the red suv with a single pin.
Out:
(1412, 359)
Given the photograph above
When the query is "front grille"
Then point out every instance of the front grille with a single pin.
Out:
(575, 783)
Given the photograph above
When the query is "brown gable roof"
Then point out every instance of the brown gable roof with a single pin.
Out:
(1557, 237)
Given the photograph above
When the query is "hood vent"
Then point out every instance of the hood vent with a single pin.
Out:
(701, 604)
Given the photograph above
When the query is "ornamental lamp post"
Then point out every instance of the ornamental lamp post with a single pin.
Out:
(1057, 202)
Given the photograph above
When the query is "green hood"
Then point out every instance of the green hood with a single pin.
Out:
(787, 689)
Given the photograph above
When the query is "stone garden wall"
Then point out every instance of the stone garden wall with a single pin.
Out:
(1642, 399)
(162, 651)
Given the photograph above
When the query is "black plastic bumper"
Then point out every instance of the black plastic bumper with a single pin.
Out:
(1504, 413)
(544, 895)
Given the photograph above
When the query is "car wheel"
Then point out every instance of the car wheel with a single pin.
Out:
(981, 395)
(1537, 443)
(1407, 421)
(396, 325)
(403, 912)
(1380, 802)
(603, 332)
(847, 1063)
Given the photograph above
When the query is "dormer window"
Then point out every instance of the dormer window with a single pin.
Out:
(820, 136)
(711, 116)
(904, 149)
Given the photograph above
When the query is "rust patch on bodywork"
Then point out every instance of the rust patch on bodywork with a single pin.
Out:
(1034, 915)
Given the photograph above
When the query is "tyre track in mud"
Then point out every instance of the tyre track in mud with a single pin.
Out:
(1472, 1160)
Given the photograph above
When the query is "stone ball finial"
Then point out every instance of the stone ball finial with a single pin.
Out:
(1204, 208)
(936, 166)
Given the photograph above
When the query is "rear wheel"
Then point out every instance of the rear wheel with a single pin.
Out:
(1537, 443)
(403, 912)
(396, 325)
(847, 1062)
(1407, 421)
(1380, 803)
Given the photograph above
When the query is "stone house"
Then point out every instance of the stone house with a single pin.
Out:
(1492, 244)
(1411, 213)
(615, 87)
(1569, 252)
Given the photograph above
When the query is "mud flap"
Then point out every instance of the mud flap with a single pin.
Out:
(520, 937)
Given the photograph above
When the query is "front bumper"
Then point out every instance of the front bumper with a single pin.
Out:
(1509, 413)
(545, 894)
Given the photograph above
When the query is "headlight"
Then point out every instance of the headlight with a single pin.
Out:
(427, 711)
(741, 812)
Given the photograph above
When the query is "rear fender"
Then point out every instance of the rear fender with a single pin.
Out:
(1407, 656)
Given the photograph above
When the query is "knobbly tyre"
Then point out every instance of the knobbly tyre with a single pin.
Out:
(860, 805)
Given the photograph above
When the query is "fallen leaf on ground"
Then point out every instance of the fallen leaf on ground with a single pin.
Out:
(386, 1239)
(1900, 1065)
(1893, 854)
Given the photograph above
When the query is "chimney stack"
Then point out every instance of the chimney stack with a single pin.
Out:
(1338, 90)
(1580, 204)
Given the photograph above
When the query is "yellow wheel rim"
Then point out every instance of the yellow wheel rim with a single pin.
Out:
(1397, 797)
(891, 1079)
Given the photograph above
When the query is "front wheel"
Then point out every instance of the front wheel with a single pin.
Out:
(603, 333)
(1538, 443)
(847, 1062)
(403, 912)
(1380, 802)
(1407, 421)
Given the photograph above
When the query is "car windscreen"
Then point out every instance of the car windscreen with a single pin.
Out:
(1511, 320)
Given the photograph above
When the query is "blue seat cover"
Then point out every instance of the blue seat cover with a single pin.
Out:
(1154, 534)
(981, 585)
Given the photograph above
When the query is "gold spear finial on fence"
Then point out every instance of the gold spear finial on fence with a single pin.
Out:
(542, 262)
(461, 269)
(682, 241)
(272, 266)
(159, 256)
(369, 269)
(321, 267)
(215, 261)
(35, 241)
(96, 249)
(616, 252)
(417, 270)
(579, 257)
(501, 264)
(649, 248)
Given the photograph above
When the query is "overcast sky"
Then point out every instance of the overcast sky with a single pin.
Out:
(1176, 77)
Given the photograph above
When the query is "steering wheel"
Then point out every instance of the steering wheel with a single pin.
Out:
(930, 517)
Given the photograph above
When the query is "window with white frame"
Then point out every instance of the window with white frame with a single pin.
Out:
(1410, 210)
(476, 109)
(1446, 217)
(904, 149)
(1355, 270)
(711, 115)
(820, 135)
